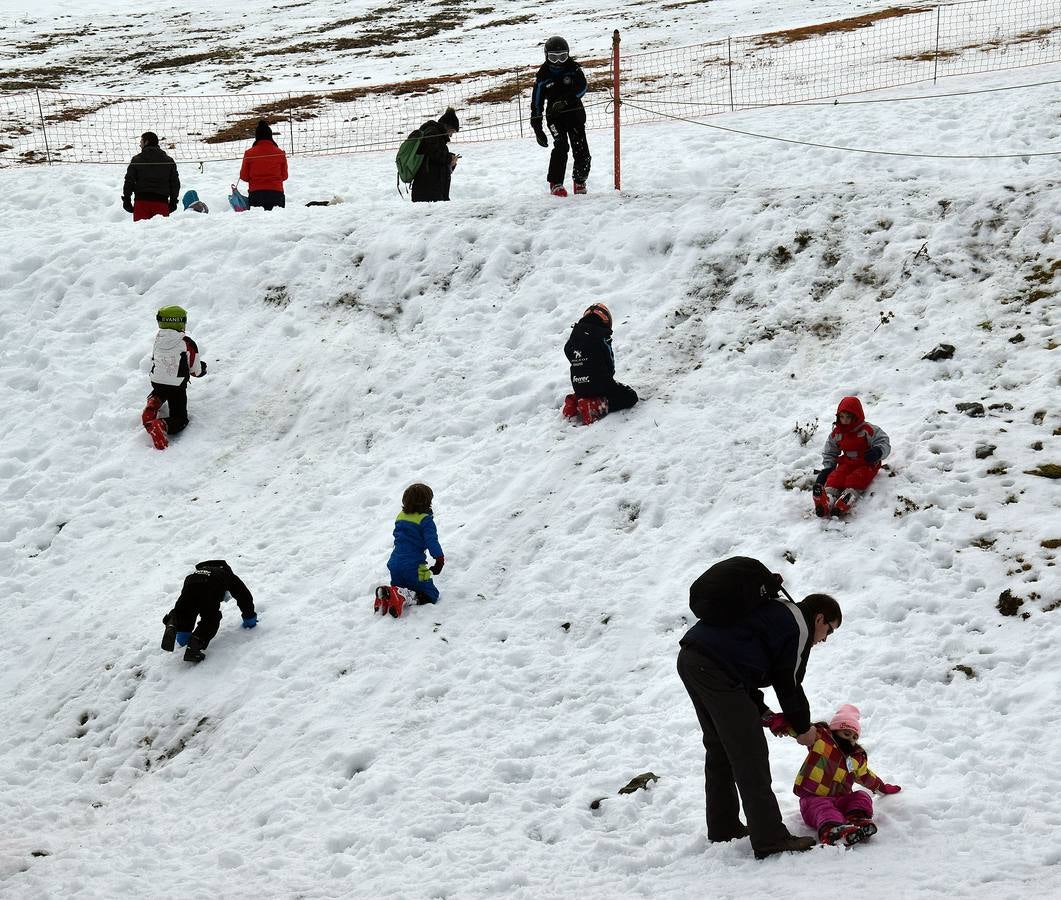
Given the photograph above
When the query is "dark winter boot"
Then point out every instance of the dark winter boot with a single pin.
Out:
(157, 429)
(169, 636)
(791, 844)
(821, 502)
(580, 188)
(194, 653)
(570, 406)
(557, 190)
(845, 501)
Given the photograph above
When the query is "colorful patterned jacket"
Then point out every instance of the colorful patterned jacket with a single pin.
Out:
(829, 772)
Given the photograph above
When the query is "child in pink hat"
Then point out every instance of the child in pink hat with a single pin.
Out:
(825, 783)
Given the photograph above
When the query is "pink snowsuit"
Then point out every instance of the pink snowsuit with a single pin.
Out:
(825, 783)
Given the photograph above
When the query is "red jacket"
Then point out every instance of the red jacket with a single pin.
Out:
(829, 772)
(264, 167)
(847, 444)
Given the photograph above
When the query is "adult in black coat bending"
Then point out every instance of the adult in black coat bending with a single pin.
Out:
(433, 177)
(201, 598)
(589, 350)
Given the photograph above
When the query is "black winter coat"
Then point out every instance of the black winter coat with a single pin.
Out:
(558, 93)
(768, 647)
(433, 177)
(589, 350)
(152, 175)
(205, 588)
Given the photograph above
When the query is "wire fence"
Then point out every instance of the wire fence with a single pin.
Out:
(891, 47)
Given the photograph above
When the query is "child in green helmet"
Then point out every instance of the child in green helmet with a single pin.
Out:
(174, 359)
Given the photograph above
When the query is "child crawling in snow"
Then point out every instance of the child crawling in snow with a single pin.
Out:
(825, 783)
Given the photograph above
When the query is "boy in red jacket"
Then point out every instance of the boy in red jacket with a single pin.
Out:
(851, 460)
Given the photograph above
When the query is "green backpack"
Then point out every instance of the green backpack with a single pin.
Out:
(409, 159)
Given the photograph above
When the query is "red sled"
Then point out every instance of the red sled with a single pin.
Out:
(391, 600)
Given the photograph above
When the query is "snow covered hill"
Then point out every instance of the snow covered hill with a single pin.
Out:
(356, 348)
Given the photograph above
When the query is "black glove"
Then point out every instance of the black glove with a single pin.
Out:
(127, 204)
(202, 368)
(173, 206)
(873, 454)
(824, 474)
(437, 567)
(539, 132)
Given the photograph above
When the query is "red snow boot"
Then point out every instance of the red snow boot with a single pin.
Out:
(557, 190)
(580, 188)
(570, 406)
(382, 601)
(150, 413)
(845, 501)
(389, 599)
(840, 834)
(592, 408)
(157, 429)
(821, 502)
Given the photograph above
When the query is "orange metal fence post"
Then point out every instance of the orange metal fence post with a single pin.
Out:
(616, 102)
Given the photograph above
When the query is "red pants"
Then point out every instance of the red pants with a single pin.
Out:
(148, 209)
(856, 475)
(820, 811)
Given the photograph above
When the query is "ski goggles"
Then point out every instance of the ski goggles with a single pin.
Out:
(556, 56)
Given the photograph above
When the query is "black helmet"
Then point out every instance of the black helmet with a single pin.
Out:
(556, 50)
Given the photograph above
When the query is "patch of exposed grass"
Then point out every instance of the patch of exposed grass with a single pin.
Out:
(839, 26)
(217, 54)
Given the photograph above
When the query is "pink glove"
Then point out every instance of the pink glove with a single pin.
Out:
(890, 789)
(777, 723)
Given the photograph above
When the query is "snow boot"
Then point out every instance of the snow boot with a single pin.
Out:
(821, 502)
(580, 188)
(169, 636)
(570, 406)
(150, 413)
(382, 601)
(557, 190)
(158, 431)
(194, 653)
(592, 408)
(845, 835)
(845, 501)
(791, 844)
(864, 825)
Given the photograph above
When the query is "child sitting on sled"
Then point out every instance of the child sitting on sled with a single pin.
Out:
(415, 535)
(825, 783)
(850, 461)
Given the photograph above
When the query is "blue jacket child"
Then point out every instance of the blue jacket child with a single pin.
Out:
(415, 533)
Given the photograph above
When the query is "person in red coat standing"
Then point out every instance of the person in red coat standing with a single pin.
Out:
(850, 461)
(264, 169)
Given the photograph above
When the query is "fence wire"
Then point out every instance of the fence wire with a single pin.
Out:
(891, 47)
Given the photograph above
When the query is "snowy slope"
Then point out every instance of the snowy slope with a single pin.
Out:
(358, 347)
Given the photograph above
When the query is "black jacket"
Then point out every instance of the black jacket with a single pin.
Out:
(768, 647)
(152, 175)
(433, 177)
(205, 588)
(589, 350)
(558, 92)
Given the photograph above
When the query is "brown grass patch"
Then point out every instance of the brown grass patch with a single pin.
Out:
(839, 26)
(1025, 37)
(178, 62)
(76, 113)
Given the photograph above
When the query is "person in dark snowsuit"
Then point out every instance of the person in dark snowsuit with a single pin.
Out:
(559, 88)
(152, 178)
(200, 598)
(432, 179)
(723, 668)
(414, 534)
(589, 350)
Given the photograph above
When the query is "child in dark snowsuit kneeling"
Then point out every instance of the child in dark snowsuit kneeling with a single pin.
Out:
(415, 535)
(850, 461)
(201, 597)
(174, 359)
(589, 350)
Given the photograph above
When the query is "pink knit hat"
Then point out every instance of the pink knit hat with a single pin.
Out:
(847, 717)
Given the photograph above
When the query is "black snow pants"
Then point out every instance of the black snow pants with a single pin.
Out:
(569, 131)
(176, 395)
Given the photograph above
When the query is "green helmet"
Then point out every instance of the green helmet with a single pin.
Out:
(175, 317)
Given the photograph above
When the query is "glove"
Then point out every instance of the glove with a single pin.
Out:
(127, 204)
(202, 368)
(823, 475)
(173, 206)
(539, 136)
(437, 567)
(250, 621)
(777, 723)
(183, 637)
(890, 789)
(873, 454)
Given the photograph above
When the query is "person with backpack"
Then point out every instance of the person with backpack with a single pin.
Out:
(264, 169)
(174, 359)
(425, 155)
(851, 460)
(152, 179)
(558, 90)
(589, 351)
(747, 638)
(212, 582)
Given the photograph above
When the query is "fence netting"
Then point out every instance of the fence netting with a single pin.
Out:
(891, 47)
